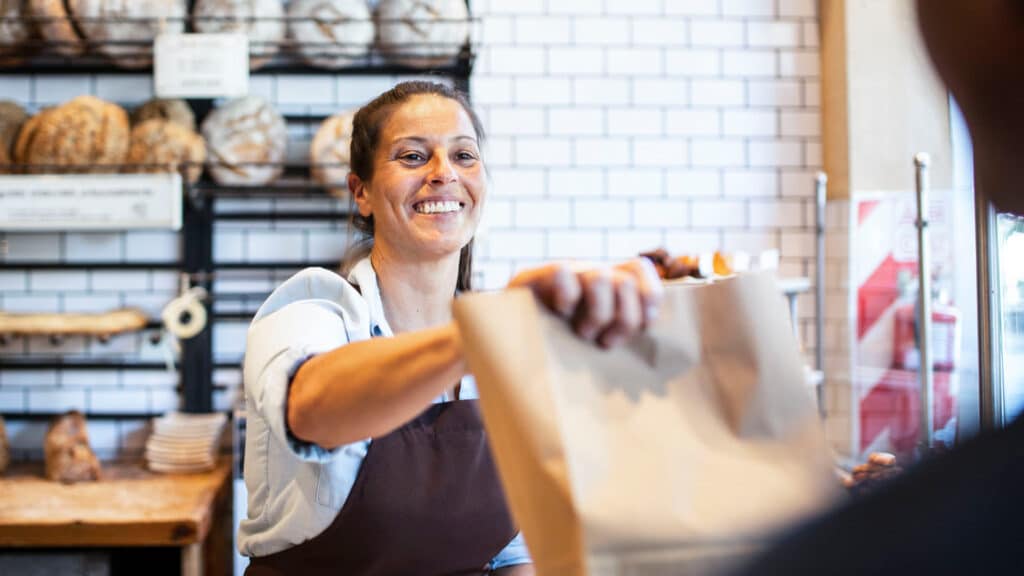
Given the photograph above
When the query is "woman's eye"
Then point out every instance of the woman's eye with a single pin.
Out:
(413, 157)
(466, 156)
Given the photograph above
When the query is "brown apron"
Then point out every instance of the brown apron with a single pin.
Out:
(427, 501)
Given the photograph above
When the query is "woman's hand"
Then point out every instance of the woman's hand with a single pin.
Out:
(605, 304)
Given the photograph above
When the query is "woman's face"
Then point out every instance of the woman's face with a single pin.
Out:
(428, 185)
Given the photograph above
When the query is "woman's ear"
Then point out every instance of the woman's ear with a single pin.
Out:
(359, 194)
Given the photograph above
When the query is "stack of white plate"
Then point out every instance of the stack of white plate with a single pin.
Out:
(184, 442)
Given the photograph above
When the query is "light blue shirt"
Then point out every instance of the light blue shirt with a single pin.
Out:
(296, 489)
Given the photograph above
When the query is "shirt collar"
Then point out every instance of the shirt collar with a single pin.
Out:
(365, 277)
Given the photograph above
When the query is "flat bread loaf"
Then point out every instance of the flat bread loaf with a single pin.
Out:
(124, 30)
(261, 20)
(329, 153)
(163, 146)
(12, 118)
(177, 111)
(56, 26)
(331, 33)
(242, 132)
(422, 33)
(86, 133)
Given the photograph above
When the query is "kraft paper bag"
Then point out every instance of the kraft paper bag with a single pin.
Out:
(691, 441)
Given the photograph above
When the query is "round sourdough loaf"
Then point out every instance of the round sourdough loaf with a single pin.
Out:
(56, 26)
(331, 33)
(422, 33)
(163, 146)
(12, 118)
(124, 30)
(246, 142)
(177, 111)
(14, 31)
(261, 20)
(329, 153)
(86, 133)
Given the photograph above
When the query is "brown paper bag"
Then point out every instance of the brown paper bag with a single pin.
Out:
(695, 438)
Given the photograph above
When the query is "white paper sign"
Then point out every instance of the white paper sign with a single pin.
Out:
(201, 65)
(91, 202)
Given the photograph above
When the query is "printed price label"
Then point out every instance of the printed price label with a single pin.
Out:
(201, 65)
(91, 202)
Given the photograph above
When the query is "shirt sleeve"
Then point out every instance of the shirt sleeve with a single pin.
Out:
(280, 339)
(514, 553)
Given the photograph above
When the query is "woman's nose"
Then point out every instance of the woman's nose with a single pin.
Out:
(442, 171)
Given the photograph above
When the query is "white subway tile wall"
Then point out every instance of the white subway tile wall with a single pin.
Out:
(614, 126)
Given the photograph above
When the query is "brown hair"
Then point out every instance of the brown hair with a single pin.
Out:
(366, 128)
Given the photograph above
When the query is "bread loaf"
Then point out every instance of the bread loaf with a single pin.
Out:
(242, 132)
(329, 153)
(261, 20)
(331, 33)
(14, 30)
(164, 146)
(68, 455)
(124, 30)
(422, 33)
(56, 26)
(86, 132)
(12, 118)
(177, 111)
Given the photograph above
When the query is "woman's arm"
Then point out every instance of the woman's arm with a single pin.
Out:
(369, 388)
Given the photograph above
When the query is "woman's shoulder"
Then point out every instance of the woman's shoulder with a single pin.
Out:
(311, 284)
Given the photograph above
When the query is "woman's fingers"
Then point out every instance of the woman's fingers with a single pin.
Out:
(628, 318)
(596, 309)
(555, 285)
(649, 286)
(604, 305)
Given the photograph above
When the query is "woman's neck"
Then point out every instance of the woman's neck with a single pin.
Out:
(416, 294)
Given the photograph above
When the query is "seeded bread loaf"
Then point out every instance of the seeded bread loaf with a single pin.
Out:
(329, 153)
(56, 26)
(240, 133)
(331, 33)
(177, 111)
(69, 458)
(163, 146)
(422, 33)
(86, 132)
(124, 31)
(261, 20)
(14, 30)
(12, 118)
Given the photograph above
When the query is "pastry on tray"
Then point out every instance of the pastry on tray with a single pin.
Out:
(86, 133)
(177, 111)
(124, 31)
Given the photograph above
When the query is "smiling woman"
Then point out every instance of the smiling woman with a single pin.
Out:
(365, 452)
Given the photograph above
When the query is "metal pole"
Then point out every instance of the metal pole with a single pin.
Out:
(990, 359)
(821, 197)
(924, 301)
(819, 304)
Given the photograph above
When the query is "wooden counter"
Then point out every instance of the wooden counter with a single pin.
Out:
(130, 506)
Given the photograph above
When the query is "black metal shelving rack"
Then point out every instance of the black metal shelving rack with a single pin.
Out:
(196, 363)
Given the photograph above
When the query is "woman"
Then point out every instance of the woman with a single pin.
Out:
(332, 363)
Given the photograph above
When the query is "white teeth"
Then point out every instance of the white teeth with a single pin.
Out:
(438, 207)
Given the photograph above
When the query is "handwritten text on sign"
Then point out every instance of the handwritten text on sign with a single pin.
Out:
(201, 65)
(91, 202)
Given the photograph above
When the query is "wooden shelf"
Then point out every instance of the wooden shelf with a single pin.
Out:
(130, 506)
